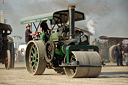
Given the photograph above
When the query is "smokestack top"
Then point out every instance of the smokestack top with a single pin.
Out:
(71, 7)
(71, 21)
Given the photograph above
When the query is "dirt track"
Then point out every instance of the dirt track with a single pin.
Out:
(110, 75)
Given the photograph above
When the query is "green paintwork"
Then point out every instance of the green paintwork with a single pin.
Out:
(36, 18)
(76, 47)
(59, 52)
(62, 49)
(54, 34)
(34, 56)
(41, 37)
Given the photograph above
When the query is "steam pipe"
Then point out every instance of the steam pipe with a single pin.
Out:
(71, 21)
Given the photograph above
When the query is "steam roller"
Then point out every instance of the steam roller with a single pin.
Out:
(66, 51)
(76, 64)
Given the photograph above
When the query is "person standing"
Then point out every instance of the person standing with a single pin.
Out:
(118, 53)
(44, 27)
(84, 39)
(28, 34)
(126, 54)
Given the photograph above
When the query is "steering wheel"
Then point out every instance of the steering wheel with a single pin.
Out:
(36, 36)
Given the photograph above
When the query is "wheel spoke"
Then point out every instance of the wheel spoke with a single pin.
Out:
(49, 56)
(34, 64)
(33, 58)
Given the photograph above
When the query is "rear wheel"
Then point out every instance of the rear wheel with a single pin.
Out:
(11, 49)
(12, 55)
(35, 61)
(112, 57)
(8, 60)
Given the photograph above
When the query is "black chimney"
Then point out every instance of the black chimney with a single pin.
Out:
(71, 21)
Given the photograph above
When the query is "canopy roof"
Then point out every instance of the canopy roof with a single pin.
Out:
(113, 37)
(5, 27)
(36, 18)
(56, 17)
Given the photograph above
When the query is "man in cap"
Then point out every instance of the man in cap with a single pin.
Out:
(119, 51)
(28, 34)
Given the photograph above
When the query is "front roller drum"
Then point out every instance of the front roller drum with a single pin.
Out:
(34, 57)
(89, 65)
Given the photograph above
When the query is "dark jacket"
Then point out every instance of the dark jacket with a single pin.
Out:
(119, 50)
(44, 26)
(28, 37)
(84, 40)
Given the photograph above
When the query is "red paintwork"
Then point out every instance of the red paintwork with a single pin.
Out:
(2, 60)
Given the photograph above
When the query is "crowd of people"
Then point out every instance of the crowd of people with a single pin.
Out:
(20, 55)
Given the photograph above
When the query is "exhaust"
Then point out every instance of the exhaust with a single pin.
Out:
(71, 21)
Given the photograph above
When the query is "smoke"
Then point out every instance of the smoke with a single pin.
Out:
(91, 25)
(103, 17)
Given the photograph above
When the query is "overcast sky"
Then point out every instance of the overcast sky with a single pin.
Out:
(104, 17)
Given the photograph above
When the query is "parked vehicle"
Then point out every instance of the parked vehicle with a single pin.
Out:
(107, 45)
(6, 46)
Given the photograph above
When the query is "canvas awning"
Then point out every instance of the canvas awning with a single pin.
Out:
(36, 18)
(56, 17)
